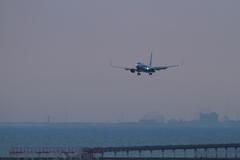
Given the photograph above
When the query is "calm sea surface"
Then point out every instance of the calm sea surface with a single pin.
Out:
(111, 135)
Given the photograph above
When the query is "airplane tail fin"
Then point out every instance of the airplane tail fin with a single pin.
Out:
(150, 63)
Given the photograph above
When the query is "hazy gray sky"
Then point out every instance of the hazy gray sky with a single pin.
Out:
(55, 56)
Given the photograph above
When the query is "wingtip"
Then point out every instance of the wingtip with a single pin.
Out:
(181, 63)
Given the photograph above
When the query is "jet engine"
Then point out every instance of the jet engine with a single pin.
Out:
(152, 70)
(132, 70)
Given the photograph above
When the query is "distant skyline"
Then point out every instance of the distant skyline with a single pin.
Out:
(55, 58)
(196, 117)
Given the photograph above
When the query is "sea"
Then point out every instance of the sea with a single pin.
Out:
(115, 135)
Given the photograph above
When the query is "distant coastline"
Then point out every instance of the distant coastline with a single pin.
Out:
(195, 123)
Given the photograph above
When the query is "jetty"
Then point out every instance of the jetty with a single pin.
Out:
(191, 151)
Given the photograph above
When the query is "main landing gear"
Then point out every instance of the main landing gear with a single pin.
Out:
(140, 74)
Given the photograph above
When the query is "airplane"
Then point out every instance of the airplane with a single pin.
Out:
(147, 68)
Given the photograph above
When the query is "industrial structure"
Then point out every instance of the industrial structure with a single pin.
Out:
(152, 117)
(209, 118)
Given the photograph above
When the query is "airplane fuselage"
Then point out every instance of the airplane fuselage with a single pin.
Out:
(142, 67)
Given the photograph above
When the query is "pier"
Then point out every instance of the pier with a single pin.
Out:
(205, 151)
(205, 147)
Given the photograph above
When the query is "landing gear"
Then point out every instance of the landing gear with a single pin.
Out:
(150, 74)
(138, 74)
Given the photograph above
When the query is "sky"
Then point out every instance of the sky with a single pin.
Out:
(55, 59)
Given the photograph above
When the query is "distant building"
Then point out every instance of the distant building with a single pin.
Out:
(147, 121)
(209, 117)
(174, 121)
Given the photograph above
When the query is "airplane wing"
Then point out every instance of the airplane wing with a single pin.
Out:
(123, 67)
(166, 67)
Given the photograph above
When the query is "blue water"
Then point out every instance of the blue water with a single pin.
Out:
(111, 135)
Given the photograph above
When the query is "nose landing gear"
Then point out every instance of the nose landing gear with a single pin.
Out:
(150, 74)
(138, 74)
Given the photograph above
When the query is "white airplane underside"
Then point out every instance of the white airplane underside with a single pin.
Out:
(141, 67)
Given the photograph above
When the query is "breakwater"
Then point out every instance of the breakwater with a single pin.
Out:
(46, 158)
(200, 151)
